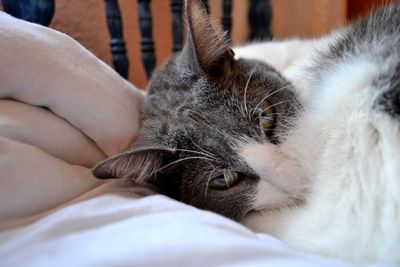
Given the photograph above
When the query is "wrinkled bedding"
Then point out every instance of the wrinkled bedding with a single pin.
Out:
(61, 111)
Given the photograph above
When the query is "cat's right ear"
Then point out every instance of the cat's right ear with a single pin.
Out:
(206, 47)
(138, 166)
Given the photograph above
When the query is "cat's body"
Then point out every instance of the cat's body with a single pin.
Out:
(317, 166)
(348, 138)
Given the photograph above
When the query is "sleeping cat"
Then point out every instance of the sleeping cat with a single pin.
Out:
(298, 139)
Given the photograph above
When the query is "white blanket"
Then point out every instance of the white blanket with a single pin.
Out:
(122, 228)
(53, 212)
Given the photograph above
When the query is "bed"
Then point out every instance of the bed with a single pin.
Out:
(62, 110)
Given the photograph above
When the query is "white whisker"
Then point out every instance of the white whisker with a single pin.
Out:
(193, 151)
(269, 95)
(279, 103)
(271, 114)
(242, 111)
(245, 90)
(176, 149)
(209, 179)
(204, 151)
(179, 160)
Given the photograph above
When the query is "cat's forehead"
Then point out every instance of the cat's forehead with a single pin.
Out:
(214, 122)
(183, 104)
(189, 128)
(174, 86)
(175, 75)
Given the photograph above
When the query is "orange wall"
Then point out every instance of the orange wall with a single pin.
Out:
(307, 18)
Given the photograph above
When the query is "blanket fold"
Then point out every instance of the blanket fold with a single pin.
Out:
(92, 113)
(43, 129)
(43, 67)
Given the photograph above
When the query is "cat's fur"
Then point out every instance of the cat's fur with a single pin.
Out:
(326, 178)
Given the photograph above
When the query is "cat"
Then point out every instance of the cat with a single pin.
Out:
(299, 139)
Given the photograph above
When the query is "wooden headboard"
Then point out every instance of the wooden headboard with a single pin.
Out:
(42, 12)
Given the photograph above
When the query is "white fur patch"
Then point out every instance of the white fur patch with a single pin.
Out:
(354, 153)
(348, 150)
(280, 176)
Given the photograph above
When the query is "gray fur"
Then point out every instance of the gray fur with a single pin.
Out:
(200, 107)
(377, 38)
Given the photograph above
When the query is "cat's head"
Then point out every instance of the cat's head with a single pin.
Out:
(213, 127)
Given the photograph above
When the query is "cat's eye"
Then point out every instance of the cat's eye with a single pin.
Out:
(266, 117)
(266, 122)
(224, 181)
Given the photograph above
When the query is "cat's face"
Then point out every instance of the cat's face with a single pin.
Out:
(213, 128)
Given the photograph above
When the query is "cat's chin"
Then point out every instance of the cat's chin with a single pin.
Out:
(265, 210)
(269, 219)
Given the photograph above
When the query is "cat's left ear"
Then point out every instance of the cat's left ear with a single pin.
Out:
(138, 166)
(206, 42)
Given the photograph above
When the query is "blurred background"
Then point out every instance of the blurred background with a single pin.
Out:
(86, 22)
